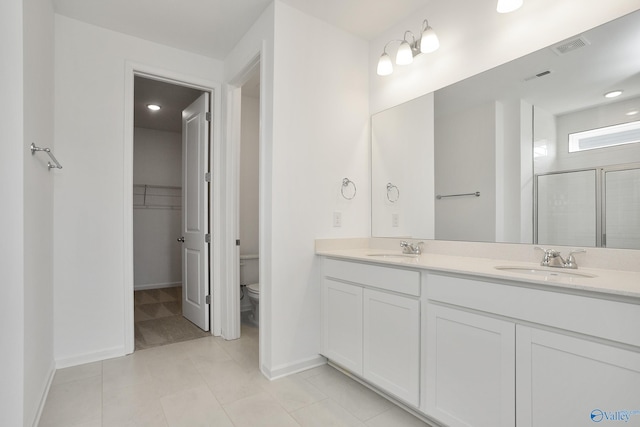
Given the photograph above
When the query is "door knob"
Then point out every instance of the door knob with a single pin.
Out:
(181, 239)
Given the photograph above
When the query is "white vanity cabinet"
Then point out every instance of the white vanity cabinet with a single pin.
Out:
(470, 368)
(371, 324)
(342, 324)
(391, 358)
(503, 355)
(569, 381)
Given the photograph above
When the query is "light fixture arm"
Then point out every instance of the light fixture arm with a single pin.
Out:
(415, 43)
(388, 43)
(412, 36)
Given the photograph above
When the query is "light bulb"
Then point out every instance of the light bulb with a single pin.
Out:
(404, 55)
(153, 107)
(385, 67)
(613, 94)
(429, 41)
(506, 6)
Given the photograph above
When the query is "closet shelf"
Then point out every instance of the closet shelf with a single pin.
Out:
(146, 196)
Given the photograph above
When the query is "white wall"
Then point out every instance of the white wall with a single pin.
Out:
(257, 42)
(38, 204)
(157, 160)
(402, 153)
(12, 256)
(526, 173)
(26, 84)
(320, 136)
(89, 212)
(544, 141)
(466, 163)
(514, 156)
(314, 132)
(157, 157)
(474, 38)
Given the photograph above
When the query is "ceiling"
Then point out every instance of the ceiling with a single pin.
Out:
(576, 80)
(213, 27)
(172, 99)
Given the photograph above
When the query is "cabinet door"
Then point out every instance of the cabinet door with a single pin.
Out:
(569, 381)
(392, 344)
(470, 368)
(342, 324)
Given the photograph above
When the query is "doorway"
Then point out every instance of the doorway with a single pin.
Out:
(248, 202)
(166, 118)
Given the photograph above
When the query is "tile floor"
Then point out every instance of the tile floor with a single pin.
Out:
(158, 318)
(210, 382)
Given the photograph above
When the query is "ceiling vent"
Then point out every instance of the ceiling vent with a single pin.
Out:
(570, 45)
(537, 76)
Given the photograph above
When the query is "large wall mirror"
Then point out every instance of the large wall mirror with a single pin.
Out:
(529, 152)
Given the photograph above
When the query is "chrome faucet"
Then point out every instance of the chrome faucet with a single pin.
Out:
(411, 248)
(552, 258)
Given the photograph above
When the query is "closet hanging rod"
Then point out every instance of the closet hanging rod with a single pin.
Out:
(55, 164)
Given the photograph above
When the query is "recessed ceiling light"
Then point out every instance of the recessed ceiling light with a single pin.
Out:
(613, 94)
(153, 107)
(632, 113)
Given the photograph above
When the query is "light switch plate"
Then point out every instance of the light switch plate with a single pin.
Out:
(395, 220)
(337, 219)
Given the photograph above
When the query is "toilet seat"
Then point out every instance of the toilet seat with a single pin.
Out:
(254, 288)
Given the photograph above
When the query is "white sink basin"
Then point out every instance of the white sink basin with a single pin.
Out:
(392, 256)
(544, 272)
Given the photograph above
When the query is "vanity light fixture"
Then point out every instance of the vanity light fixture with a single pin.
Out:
(613, 94)
(409, 48)
(153, 107)
(506, 6)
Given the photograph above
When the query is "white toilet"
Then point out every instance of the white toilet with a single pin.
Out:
(253, 291)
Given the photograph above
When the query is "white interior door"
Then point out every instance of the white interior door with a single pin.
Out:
(195, 203)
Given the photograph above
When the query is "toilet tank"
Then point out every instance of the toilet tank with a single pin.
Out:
(249, 269)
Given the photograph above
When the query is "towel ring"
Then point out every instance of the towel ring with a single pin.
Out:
(390, 190)
(345, 183)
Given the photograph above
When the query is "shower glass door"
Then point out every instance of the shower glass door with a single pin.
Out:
(566, 208)
(622, 208)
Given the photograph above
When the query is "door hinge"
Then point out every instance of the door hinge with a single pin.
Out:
(207, 116)
(207, 299)
(207, 238)
(207, 176)
(238, 242)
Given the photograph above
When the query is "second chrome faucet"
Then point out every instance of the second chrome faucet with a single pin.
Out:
(411, 248)
(552, 258)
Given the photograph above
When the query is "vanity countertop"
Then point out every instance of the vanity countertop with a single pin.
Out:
(609, 282)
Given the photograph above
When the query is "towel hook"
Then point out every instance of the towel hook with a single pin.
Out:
(345, 183)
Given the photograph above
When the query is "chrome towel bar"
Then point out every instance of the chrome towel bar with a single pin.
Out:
(50, 165)
(477, 194)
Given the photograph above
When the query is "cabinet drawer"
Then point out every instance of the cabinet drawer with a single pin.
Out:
(611, 320)
(387, 278)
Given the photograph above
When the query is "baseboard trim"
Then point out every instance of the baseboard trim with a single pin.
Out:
(96, 356)
(413, 411)
(156, 286)
(293, 368)
(45, 393)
